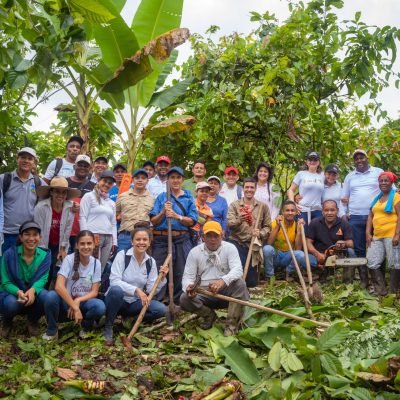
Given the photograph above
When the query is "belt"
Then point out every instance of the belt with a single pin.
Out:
(165, 233)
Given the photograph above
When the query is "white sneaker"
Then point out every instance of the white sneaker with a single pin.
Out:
(50, 338)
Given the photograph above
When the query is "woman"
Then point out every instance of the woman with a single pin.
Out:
(77, 287)
(55, 217)
(217, 203)
(266, 192)
(133, 272)
(333, 188)
(383, 234)
(311, 186)
(97, 214)
(205, 213)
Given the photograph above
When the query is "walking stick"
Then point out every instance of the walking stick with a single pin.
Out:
(253, 238)
(171, 305)
(301, 279)
(259, 307)
(126, 340)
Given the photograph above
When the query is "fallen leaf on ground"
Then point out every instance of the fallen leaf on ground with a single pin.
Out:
(66, 374)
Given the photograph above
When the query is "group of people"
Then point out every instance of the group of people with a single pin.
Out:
(85, 242)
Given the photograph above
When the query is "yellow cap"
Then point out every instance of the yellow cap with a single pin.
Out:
(212, 226)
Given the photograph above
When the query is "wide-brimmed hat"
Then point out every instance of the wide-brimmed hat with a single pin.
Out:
(58, 182)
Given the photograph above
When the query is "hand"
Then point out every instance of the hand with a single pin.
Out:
(368, 238)
(142, 296)
(164, 269)
(112, 251)
(321, 258)
(75, 207)
(298, 206)
(344, 200)
(75, 314)
(279, 219)
(61, 254)
(395, 240)
(191, 293)
(301, 221)
(256, 233)
(340, 244)
(21, 297)
(244, 216)
(30, 295)
(216, 286)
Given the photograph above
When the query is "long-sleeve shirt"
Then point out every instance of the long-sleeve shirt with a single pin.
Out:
(98, 217)
(134, 276)
(219, 208)
(156, 186)
(229, 268)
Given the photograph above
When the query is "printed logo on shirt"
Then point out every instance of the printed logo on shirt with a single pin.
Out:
(339, 232)
(33, 187)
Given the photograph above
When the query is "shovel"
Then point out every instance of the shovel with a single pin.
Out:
(171, 306)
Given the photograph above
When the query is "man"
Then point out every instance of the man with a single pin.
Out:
(19, 195)
(199, 173)
(99, 166)
(276, 251)
(133, 206)
(119, 170)
(65, 166)
(230, 190)
(214, 265)
(326, 231)
(158, 184)
(24, 274)
(150, 168)
(242, 216)
(360, 187)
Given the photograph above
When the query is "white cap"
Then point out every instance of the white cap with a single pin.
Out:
(83, 157)
(28, 150)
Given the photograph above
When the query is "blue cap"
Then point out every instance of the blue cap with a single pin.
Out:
(178, 170)
(140, 171)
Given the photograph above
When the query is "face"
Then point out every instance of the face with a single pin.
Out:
(141, 241)
(140, 181)
(99, 166)
(263, 174)
(231, 178)
(214, 186)
(289, 212)
(58, 196)
(175, 180)
(202, 194)
(330, 211)
(162, 168)
(105, 184)
(82, 169)
(85, 245)
(30, 238)
(26, 162)
(330, 177)
(150, 170)
(73, 150)
(312, 163)
(385, 184)
(249, 189)
(119, 174)
(199, 170)
(212, 240)
(360, 162)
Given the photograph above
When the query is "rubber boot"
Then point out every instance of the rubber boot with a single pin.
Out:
(363, 272)
(379, 282)
(394, 281)
(235, 316)
(348, 274)
(208, 315)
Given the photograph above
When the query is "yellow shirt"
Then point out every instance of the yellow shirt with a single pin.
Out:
(384, 223)
(280, 242)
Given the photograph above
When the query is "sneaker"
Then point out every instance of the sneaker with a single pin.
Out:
(33, 328)
(5, 329)
(108, 335)
(50, 338)
(83, 334)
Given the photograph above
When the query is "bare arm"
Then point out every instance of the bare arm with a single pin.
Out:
(396, 237)
(291, 190)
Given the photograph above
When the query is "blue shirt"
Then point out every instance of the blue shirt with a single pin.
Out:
(113, 193)
(188, 204)
(219, 208)
(361, 188)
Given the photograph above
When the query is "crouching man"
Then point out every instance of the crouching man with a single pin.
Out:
(214, 265)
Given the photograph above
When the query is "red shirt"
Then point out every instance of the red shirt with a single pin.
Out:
(54, 236)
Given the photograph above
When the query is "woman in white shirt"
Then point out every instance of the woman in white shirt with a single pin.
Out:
(133, 272)
(311, 186)
(77, 287)
(97, 214)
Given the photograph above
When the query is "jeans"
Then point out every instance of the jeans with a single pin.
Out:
(313, 214)
(10, 240)
(56, 309)
(53, 268)
(105, 245)
(124, 241)
(10, 307)
(115, 304)
(252, 276)
(358, 224)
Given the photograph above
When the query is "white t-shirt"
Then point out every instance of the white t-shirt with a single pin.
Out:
(230, 195)
(67, 169)
(88, 275)
(311, 187)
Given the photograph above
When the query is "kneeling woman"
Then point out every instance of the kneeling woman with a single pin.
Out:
(77, 287)
(133, 272)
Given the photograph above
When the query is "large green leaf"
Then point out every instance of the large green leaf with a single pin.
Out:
(333, 336)
(274, 356)
(95, 11)
(166, 97)
(167, 69)
(170, 126)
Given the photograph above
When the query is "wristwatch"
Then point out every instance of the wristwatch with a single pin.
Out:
(180, 218)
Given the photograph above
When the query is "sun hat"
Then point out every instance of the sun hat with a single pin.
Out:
(58, 182)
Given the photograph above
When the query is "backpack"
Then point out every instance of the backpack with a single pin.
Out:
(59, 164)
(7, 181)
(239, 191)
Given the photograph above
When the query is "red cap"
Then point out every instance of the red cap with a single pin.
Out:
(163, 158)
(231, 169)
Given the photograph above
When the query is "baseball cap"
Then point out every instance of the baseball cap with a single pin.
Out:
(332, 168)
(75, 139)
(312, 154)
(163, 158)
(214, 177)
(212, 226)
(148, 163)
(178, 170)
(140, 171)
(231, 169)
(101, 158)
(360, 151)
(29, 225)
(202, 185)
(107, 174)
(120, 165)
(28, 150)
(84, 158)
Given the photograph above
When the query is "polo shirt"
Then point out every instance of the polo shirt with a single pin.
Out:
(324, 237)
(190, 184)
(156, 186)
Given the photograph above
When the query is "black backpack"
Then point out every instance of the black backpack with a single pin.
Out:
(7, 181)
(59, 164)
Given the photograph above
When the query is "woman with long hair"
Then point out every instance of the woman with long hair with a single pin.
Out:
(77, 287)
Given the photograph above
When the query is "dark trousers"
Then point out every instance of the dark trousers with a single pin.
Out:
(252, 277)
(10, 240)
(358, 224)
(181, 245)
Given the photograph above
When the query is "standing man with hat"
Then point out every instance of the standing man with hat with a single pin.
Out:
(100, 165)
(65, 166)
(199, 173)
(19, 195)
(230, 190)
(360, 187)
(158, 184)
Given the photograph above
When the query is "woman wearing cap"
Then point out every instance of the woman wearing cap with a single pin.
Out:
(333, 188)
(100, 165)
(266, 192)
(311, 186)
(383, 234)
(204, 212)
(97, 215)
(55, 217)
(217, 203)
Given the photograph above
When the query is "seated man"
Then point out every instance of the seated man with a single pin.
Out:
(326, 231)
(276, 251)
(24, 273)
(214, 265)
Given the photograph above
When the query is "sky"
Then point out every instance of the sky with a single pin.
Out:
(234, 16)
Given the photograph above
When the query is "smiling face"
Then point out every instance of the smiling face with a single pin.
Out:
(73, 150)
(141, 242)
(249, 189)
(263, 175)
(330, 178)
(330, 211)
(289, 212)
(312, 163)
(85, 245)
(99, 166)
(105, 184)
(385, 184)
(58, 196)
(82, 169)
(25, 162)
(202, 194)
(162, 168)
(175, 180)
(30, 239)
(360, 162)
(231, 179)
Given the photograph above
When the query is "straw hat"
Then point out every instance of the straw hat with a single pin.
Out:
(58, 182)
